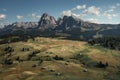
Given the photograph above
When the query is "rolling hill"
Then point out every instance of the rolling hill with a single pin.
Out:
(57, 59)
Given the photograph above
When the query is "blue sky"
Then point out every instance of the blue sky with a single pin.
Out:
(97, 11)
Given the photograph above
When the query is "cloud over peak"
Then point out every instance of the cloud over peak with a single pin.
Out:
(92, 10)
(35, 16)
(19, 17)
(66, 13)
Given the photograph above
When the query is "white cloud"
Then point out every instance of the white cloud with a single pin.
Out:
(110, 12)
(70, 13)
(66, 13)
(2, 16)
(112, 8)
(118, 4)
(34, 15)
(93, 20)
(83, 11)
(76, 15)
(110, 16)
(38, 16)
(92, 10)
(19, 17)
(79, 7)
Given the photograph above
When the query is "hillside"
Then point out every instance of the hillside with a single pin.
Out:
(57, 59)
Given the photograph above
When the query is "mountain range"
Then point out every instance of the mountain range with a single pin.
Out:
(69, 26)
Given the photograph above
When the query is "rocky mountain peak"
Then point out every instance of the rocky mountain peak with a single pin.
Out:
(45, 16)
(46, 22)
(59, 21)
(72, 18)
(69, 22)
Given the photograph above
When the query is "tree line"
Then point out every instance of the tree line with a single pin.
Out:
(108, 42)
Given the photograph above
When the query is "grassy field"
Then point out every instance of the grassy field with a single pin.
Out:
(76, 60)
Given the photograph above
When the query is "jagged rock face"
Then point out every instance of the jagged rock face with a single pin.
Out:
(68, 23)
(71, 21)
(46, 22)
(59, 21)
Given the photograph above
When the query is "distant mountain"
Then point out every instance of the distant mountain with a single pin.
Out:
(18, 28)
(71, 25)
(23, 25)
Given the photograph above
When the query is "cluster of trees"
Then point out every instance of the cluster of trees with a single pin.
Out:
(9, 49)
(14, 38)
(8, 61)
(108, 42)
(33, 54)
(102, 65)
(58, 57)
(25, 49)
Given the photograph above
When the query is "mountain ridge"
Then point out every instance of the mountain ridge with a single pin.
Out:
(67, 24)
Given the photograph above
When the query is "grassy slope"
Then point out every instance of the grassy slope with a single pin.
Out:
(70, 69)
